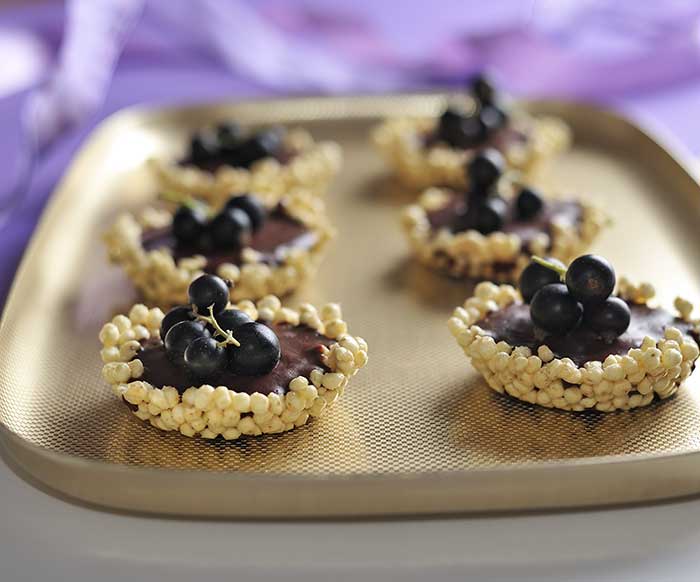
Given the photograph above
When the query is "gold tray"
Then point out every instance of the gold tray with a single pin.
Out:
(418, 431)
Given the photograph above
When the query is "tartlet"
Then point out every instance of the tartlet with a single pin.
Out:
(317, 358)
(444, 234)
(580, 369)
(280, 163)
(424, 152)
(278, 258)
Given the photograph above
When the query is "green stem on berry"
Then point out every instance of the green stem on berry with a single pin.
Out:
(553, 266)
(226, 334)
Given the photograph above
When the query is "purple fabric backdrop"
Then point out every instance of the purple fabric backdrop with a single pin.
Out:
(640, 57)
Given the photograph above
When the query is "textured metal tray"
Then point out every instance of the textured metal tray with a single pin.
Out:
(418, 431)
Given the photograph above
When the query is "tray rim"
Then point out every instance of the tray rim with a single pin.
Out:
(21, 449)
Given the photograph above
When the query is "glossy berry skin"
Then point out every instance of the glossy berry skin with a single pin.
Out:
(491, 215)
(252, 206)
(492, 118)
(230, 229)
(232, 319)
(529, 204)
(590, 279)
(485, 168)
(482, 89)
(208, 290)
(260, 145)
(204, 358)
(188, 224)
(610, 319)
(536, 276)
(180, 336)
(258, 353)
(554, 310)
(459, 130)
(174, 316)
(449, 127)
(203, 146)
(228, 136)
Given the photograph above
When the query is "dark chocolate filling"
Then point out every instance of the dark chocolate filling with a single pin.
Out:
(567, 212)
(279, 232)
(301, 349)
(514, 326)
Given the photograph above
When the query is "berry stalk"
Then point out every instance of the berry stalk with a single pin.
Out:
(226, 334)
(561, 270)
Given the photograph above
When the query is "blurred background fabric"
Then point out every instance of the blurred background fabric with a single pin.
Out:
(68, 65)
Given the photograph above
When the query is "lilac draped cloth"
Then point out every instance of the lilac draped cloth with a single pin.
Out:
(642, 57)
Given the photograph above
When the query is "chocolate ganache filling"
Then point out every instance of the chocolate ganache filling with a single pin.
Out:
(301, 348)
(278, 233)
(566, 212)
(513, 325)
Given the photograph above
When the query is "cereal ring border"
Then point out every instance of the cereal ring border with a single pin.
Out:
(209, 411)
(655, 369)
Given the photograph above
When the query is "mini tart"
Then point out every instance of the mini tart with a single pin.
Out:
(283, 254)
(577, 372)
(309, 165)
(563, 230)
(419, 160)
(318, 359)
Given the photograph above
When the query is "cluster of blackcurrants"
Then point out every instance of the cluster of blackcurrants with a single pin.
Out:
(487, 212)
(205, 338)
(230, 229)
(584, 298)
(462, 128)
(228, 144)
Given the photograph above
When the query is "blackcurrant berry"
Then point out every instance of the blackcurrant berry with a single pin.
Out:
(204, 358)
(232, 319)
(449, 127)
(529, 203)
(482, 88)
(258, 353)
(491, 215)
(535, 276)
(485, 168)
(252, 206)
(610, 319)
(492, 118)
(475, 196)
(203, 146)
(205, 242)
(175, 315)
(230, 229)
(554, 310)
(590, 279)
(228, 136)
(180, 336)
(206, 291)
(188, 224)
(460, 130)
(261, 145)
(474, 130)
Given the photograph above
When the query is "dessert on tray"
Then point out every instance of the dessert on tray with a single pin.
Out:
(490, 229)
(261, 250)
(212, 369)
(427, 152)
(565, 340)
(271, 161)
